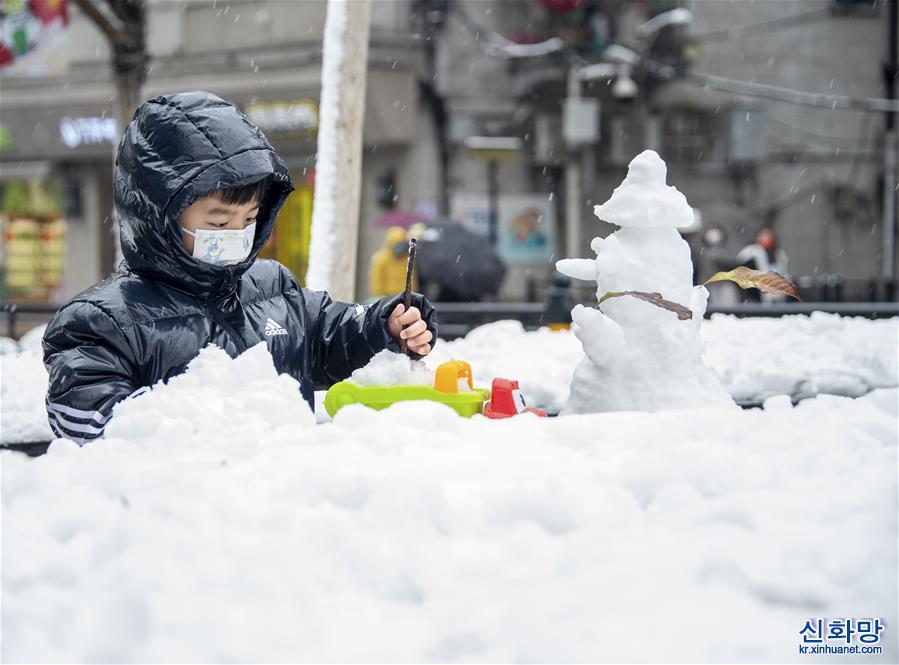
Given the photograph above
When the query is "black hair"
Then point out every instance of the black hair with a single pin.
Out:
(243, 194)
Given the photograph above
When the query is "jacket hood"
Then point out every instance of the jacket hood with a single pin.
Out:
(176, 150)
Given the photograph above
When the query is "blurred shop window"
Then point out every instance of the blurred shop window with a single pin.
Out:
(33, 247)
(289, 242)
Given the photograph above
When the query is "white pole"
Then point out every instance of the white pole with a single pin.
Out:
(338, 175)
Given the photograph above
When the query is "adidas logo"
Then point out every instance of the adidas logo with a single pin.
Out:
(273, 328)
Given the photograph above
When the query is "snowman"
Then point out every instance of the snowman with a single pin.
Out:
(639, 356)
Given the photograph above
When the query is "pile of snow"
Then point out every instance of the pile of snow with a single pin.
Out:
(23, 416)
(542, 361)
(638, 356)
(204, 401)
(31, 341)
(215, 525)
(217, 402)
(802, 356)
(8, 345)
(799, 356)
(393, 369)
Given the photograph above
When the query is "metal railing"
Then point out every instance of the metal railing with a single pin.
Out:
(458, 319)
(869, 310)
(817, 289)
(26, 313)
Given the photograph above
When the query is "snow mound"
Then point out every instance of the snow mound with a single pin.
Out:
(23, 416)
(8, 345)
(387, 368)
(542, 361)
(802, 356)
(30, 342)
(799, 356)
(424, 536)
(220, 402)
(643, 199)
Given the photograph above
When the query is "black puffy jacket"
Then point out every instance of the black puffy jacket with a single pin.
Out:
(148, 320)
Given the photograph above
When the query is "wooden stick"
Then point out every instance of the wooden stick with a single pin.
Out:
(407, 295)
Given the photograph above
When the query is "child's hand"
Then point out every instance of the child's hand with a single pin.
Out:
(416, 333)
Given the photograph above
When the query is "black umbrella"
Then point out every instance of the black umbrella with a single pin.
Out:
(456, 264)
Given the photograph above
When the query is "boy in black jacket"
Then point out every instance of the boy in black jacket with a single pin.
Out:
(197, 189)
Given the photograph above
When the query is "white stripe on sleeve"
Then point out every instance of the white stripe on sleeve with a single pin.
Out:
(63, 434)
(96, 416)
(78, 427)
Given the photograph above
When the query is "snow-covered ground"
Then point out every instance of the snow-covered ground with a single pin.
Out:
(23, 386)
(218, 523)
(802, 356)
(756, 358)
(799, 356)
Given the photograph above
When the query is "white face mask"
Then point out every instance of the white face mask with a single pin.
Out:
(222, 248)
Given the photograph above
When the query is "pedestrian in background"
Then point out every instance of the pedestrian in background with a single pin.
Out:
(387, 274)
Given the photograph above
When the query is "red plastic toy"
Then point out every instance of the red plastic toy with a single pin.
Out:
(506, 401)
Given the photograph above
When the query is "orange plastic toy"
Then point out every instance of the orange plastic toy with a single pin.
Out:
(453, 376)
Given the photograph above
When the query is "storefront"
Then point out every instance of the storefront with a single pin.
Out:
(55, 201)
(290, 122)
(34, 230)
(56, 171)
(292, 127)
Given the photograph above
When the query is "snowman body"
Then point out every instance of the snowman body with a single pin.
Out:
(638, 356)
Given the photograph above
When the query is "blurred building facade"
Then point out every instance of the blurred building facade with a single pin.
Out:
(439, 74)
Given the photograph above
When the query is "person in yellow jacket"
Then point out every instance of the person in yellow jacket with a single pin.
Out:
(388, 265)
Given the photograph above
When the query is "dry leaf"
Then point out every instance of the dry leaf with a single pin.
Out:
(683, 313)
(746, 278)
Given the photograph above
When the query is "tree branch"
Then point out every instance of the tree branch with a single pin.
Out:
(110, 24)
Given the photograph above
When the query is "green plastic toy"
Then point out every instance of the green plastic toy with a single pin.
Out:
(452, 386)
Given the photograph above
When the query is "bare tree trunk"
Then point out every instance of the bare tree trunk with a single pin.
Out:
(124, 24)
(338, 180)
